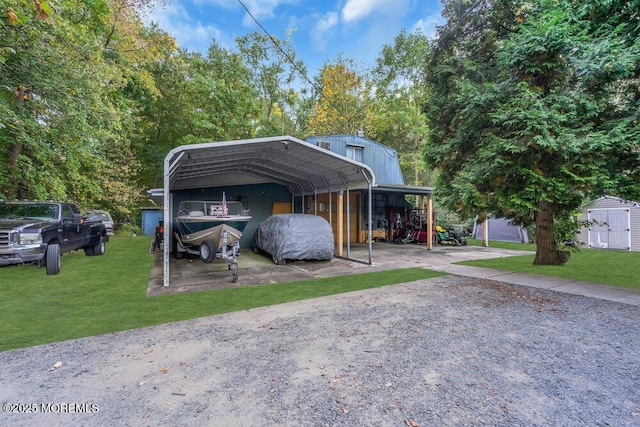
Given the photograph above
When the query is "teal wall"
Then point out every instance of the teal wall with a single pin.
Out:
(257, 198)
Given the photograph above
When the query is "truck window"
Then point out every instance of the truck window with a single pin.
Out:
(67, 213)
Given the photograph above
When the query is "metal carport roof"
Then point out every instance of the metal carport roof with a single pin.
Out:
(300, 166)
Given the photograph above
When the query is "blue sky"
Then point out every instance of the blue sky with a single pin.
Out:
(357, 29)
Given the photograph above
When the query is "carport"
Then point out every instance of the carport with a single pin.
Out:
(303, 168)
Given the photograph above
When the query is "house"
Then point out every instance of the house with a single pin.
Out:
(617, 224)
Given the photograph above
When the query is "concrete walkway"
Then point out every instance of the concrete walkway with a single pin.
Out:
(560, 284)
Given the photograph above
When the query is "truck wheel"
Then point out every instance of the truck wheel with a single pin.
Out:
(97, 249)
(207, 251)
(100, 248)
(53, 258)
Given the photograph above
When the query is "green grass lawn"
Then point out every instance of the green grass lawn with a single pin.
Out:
(97, 295)
(618, 268)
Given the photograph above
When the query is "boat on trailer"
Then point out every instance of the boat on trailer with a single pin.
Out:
(211, 229)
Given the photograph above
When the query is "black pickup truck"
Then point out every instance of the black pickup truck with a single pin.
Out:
(40, 232)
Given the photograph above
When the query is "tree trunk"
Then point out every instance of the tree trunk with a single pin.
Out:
(14, 152)
(546, 249)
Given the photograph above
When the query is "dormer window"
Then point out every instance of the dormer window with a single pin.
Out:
(355, 152)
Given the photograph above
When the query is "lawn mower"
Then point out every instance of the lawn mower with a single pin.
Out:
(451, 237)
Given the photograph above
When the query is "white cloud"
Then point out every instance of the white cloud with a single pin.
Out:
(189, 33)
(260, 9)
(355, 10)
(324, 24)
(428, 25)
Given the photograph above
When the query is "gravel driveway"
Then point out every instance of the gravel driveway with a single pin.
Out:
(444, 351)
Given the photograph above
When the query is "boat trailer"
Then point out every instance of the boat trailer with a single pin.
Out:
(208, 250)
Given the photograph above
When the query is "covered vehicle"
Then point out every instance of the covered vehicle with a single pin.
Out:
(295, 237)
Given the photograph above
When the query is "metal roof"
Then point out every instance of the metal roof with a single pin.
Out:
(404, 189)
(302, 167)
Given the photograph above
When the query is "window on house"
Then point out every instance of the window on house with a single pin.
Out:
(355, 153)
(325, 144)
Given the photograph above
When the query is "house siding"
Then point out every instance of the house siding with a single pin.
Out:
(614, 203)
(381, 159)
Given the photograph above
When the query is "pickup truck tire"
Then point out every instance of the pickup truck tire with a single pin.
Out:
(98, 249)
(53, 258)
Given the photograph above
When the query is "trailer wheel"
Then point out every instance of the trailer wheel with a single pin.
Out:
(207, 251)
(53, 258)
(234, 272)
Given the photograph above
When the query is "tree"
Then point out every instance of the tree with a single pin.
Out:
(48, 96)
(273, 67)
(529, 109)
(396, 117)
(200, 99)
(341, 107)
(73, 78)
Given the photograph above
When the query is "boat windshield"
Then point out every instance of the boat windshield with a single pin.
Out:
(210, 208)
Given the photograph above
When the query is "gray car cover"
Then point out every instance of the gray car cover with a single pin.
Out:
(295, 237)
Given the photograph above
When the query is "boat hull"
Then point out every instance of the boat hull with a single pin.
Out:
(213, 234)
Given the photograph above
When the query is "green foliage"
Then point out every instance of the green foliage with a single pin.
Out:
(520, 124)
(273, 69)
(343, 102)
(396, 117)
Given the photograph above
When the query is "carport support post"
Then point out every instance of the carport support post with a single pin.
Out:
(339, 224)
(485, 231)
(348, 226)
(167, 221)
(330, 206)
(429, 222)
(369, 220)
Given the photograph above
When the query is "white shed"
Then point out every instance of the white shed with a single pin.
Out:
(618, 224)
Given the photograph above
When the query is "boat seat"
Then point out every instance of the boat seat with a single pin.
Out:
(196, 213)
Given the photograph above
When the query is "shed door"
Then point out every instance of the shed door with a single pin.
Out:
(619, 229)
(612, 230)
